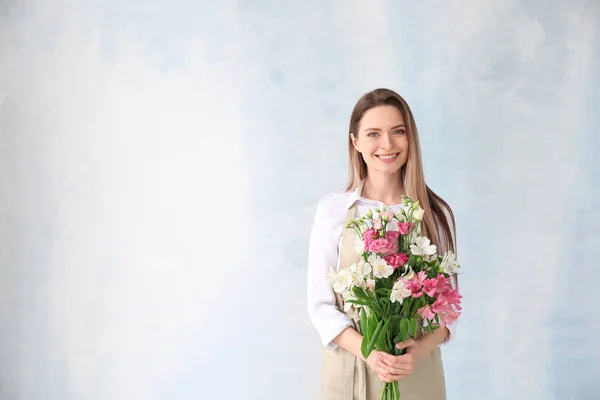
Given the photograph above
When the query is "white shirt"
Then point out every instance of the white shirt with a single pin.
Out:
(324, 248)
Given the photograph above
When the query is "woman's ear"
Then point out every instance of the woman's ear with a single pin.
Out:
(354, 141)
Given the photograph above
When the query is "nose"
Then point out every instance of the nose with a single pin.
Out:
(386, 141)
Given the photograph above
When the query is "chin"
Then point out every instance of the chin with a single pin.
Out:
(389, 171)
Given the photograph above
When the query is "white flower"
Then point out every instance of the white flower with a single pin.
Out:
(449, 264)
(381, 269)
(409, 274)
(340, 281)
(422, 247)
(399, 292)
(359, 245)
(349, 295)
(370, 284)
(359, 272)
(418, 214)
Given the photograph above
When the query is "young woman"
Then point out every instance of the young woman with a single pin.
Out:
(385, 163)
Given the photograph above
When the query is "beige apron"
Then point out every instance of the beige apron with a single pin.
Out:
(346, 377)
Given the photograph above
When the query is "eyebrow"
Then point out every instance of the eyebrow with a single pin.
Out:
(393, 127)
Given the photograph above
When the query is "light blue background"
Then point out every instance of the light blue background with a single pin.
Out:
(160, 164)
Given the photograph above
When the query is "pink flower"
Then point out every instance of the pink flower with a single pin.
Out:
(390, 214)
(406, 227)
(426, 312)
(440, 305)
(415, 288)
(368, 237)
(420, 277)
(448, 317)
(453, 298)
(447, 306)
(443, 283)
(382, 246)
(392, 237)
(371, 285)
(396, 260)
(377, 224)
(430, 286)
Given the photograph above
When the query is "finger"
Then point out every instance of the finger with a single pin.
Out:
(391, 377)
(394, 369)
(389, 359)
(396, 361)
(407, 343)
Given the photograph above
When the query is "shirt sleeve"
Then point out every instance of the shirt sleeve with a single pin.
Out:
(323, 254)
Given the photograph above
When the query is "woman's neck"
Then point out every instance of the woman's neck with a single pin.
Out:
(387, 189)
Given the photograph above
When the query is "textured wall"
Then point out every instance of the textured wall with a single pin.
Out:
(160, 165)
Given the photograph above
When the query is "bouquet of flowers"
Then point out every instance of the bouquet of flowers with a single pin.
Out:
(401, 285)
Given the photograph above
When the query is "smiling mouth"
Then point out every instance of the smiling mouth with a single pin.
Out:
(387, 157)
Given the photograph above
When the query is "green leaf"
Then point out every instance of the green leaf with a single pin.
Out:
(360, 293)
(363, 346)
(373, 339)
(395, 325)
(379, 284)
(403, 333)
(382, 337)
(413, 326)
(371, 325)
(363, 320)
(361, 302)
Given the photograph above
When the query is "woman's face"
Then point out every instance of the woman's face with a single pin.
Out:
(382, 140)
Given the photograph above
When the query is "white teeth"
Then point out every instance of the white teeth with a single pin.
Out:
(388, 157)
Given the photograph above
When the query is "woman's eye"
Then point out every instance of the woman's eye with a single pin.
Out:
(372, 134)
(400, 132)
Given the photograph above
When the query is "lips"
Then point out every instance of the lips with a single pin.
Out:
(391, 157)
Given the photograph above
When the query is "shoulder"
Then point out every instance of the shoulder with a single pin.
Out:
(336, 201)
(332, 208)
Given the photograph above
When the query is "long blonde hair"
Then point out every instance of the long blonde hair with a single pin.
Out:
(438, 222)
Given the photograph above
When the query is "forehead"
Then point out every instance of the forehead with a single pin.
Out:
(381, 117)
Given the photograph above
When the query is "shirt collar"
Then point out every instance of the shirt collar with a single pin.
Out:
(355, 194)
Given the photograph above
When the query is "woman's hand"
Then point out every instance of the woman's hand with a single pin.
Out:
(414, 348)
(388, 367)
(392, 368)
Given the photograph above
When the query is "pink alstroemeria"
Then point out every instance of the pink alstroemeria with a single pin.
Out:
(430, 287)
(440, 304)
(453, 297)
(443, 284)
(415, 288)
(448, 317)
(426, 312)
(421, 276)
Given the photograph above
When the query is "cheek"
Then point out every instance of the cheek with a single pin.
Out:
(368, 148)
(403, 143)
